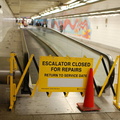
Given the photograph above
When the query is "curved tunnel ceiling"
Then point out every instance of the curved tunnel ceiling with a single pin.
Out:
(28, 8)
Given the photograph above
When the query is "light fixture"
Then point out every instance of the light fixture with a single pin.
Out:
(64, 7)
(71, 1)
(90, 1)
(108, 12)
(94, 13)
(118, 10)
(1, 11)
(71, 4)
(76, 15)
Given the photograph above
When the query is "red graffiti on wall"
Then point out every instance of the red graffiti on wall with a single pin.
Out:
(80, 28)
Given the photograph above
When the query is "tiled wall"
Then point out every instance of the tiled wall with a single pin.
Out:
(102, 30)
(7, 19)
(106, 30)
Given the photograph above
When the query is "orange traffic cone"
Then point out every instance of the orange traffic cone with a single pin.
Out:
(88, 104)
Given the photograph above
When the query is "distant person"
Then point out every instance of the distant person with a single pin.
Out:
(61, 28)
(16, 20)
(37, 23)
(44, 24)
(32, 22)
(23, 21)
(40, 24)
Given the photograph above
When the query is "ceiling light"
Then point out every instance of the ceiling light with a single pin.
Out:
(76, 15)
(72, 4)
(1, 11)
(107, 12)
(64, 7)
(83, 14)
(71, 1)
(118, 10)
(94, 13)
(77, 4)
(90, 1)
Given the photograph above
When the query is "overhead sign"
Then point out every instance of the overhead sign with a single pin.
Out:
(63, 74)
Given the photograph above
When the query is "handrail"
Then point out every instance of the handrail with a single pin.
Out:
(25, 60)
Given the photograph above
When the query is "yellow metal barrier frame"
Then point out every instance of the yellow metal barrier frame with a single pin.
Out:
(117, 98)
(13, 88)
(117, 86)
(66, 94)
(12, 91)
(107, 78)
(95, 69)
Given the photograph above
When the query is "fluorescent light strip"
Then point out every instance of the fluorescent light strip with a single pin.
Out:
(90, 1)
(76, 4)
(71, 1)
(108, 12)
(72, 5)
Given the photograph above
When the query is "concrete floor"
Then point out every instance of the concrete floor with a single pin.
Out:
(56, 107)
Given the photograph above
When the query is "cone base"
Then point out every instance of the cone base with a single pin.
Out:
(82, 108)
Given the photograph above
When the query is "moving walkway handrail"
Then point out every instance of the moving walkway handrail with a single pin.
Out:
(26, 88)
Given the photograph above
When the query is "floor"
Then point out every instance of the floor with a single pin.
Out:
(56, 107)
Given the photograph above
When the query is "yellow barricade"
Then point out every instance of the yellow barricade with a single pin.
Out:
(13, 88)
(116, 101)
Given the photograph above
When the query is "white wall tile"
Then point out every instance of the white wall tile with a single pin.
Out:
(7, 19)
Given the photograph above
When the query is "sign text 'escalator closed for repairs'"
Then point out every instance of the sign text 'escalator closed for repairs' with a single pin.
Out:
(63, 74)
